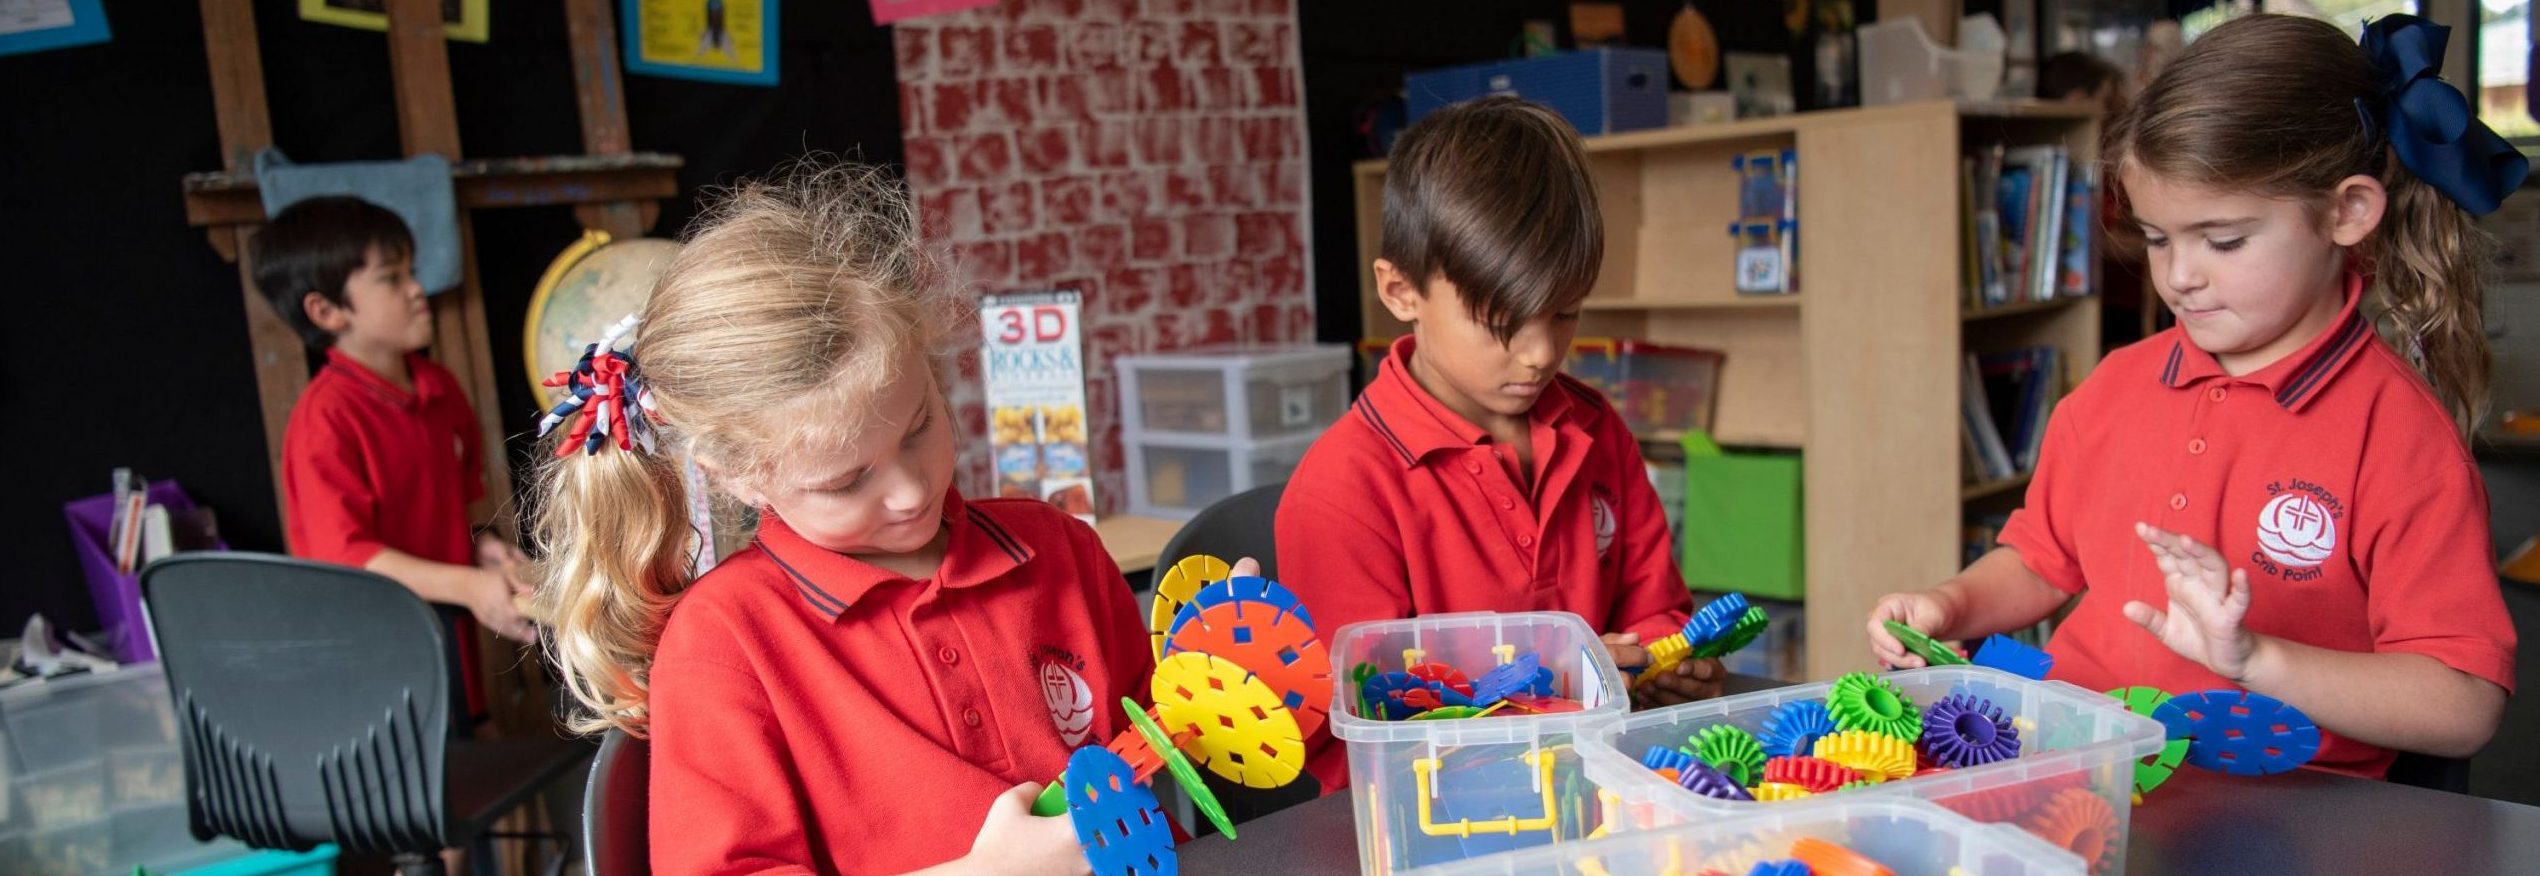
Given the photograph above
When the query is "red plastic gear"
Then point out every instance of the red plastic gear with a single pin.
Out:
(2079, 821)
(1443, 674)
(1813, 773)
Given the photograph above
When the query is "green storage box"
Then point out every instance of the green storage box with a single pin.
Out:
(1742, 522)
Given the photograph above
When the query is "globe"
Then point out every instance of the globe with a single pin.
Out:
(590, 286)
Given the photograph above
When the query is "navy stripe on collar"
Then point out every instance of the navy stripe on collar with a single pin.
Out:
(2319, 368)
(828, 606)
(996, 533)
(1367, 409)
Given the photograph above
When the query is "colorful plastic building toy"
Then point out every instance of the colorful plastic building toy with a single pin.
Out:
(1793, 729)
(1966, 730)
(2004, 653)
(1731, 750)
(1931, 650)
(2151, 772)
(2238, 732)
(1117, 819)
(1861, 701)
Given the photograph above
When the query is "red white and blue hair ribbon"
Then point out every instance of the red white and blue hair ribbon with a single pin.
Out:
(608, 396)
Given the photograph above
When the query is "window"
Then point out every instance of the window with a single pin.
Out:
(2504, 59)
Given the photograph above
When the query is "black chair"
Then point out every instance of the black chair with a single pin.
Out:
(616, 808)
(1235, 527)
(2428, 771)
(312, 707)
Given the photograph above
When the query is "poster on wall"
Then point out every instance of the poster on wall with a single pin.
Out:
(37, 25)
(888, 11)
(1033, 366)
(460, 19)
(728, 41)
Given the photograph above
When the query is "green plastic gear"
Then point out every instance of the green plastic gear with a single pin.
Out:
(1731, 750)
(2151, 772)
(1856, 783)
(1931, 650)
(1358, 676)
(1861, 701)
(1448, 713)
(1740, 634)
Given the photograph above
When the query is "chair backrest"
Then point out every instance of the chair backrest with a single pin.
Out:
(311, 702)
(1235, 527)
(2428, 771)
(617, 808)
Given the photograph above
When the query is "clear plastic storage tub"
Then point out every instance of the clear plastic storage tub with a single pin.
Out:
(1909, 837)
(1429, 792)
(2072, 784)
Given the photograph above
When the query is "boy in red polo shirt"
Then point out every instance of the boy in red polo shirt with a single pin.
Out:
(2268, 496)
(1472, 475)
(380, 459)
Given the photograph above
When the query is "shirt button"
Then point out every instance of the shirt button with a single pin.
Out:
(2215, 393)
(2196, 445)
(948, 655)
(2178, 501)
(1525, 541)
(970, 717)
(1471, 467)
(1506, 503)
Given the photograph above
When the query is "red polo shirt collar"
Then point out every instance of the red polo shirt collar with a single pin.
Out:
(1422, 425)
(977, 551)
(2296, 379)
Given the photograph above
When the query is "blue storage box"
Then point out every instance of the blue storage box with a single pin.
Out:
(1601, 91)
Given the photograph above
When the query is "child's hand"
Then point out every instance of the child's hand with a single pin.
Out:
(1245, 568)
(1626, 649)
(498, 554)
(491, 602)
(2207, 604)
(1691, 679)
(1922, 610)
(1014, 841)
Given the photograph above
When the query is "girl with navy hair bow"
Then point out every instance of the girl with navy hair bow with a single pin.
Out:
(2276, 495)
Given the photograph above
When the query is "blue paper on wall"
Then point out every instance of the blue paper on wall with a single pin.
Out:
(416, 189)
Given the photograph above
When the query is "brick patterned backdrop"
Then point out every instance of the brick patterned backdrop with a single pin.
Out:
(1150, 153)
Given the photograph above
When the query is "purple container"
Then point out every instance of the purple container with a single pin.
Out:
(117, 595)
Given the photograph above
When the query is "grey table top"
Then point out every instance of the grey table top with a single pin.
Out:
(2200, 822)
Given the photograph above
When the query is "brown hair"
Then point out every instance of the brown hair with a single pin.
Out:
(1494, 195)
(317, 245)
(791, 307)
(2276, 105)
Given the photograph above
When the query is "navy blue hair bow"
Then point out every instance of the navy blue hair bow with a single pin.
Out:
(2436, 132)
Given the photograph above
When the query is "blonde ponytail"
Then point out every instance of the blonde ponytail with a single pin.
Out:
(616, 549)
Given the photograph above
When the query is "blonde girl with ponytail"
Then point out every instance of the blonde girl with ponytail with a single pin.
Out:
(2276, 495)
(874, 684)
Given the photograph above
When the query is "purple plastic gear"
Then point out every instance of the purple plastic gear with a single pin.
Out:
(2004, 653)
(1715, 618)
(1965, 730)
(1516, 676)
(1700, 778)
(1661, 757)
(1793, 729)
(2242, 733)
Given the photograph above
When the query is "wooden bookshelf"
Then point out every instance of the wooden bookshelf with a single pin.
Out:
(1859, 371)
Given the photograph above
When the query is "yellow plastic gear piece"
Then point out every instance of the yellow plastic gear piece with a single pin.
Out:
(1666, 653)
(1775, 792)
(1878, 757)
(1175, 590)
(1239, 728)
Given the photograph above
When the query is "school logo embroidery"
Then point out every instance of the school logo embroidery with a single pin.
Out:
(1063, 689)
(2297, 530)
(1601, 510)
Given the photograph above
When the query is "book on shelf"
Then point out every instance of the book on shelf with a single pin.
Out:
(2027, 218)
(2005, 399)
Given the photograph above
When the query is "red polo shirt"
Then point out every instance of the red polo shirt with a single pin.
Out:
(1404, 508)
(368, 465)
(815, 714)
(2333, 477)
